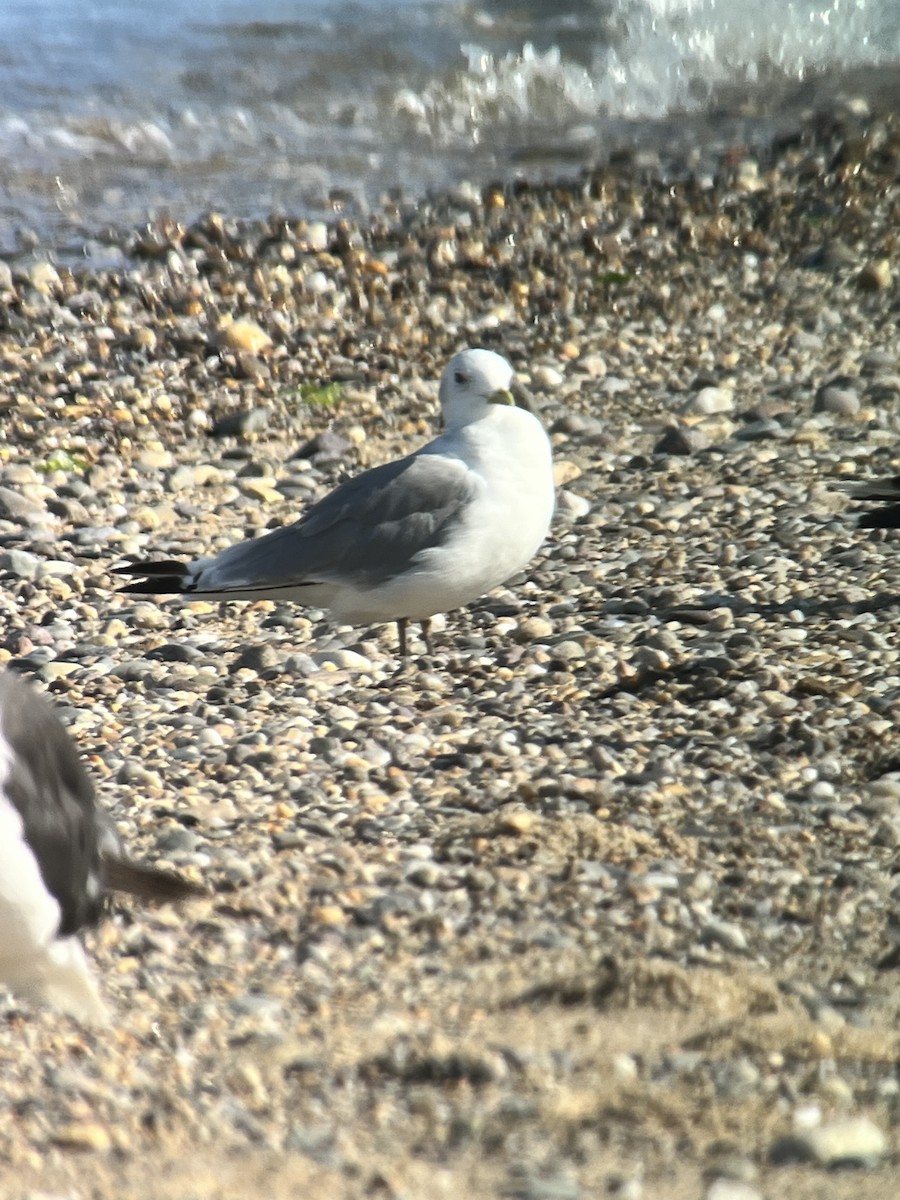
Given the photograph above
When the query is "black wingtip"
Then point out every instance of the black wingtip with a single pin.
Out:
(164, 575)
(881, 518)
(886, 490)
(147, 587)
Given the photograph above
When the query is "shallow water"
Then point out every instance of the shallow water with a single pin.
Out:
(111, 112)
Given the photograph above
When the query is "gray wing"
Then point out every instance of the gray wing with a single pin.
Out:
(365, 532)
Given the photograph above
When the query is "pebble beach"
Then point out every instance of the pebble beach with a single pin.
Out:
(600, 899)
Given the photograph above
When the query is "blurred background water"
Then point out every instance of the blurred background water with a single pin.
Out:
(113, 111)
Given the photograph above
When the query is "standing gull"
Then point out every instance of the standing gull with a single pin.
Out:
(409, 539)
(58, 855)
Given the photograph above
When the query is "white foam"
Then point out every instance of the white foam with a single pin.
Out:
(663, 56)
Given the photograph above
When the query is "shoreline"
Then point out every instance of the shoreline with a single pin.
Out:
(69, 197)
(600, 898)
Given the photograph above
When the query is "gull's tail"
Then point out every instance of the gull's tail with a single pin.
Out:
(146, 882)
(883, 491)
(166, 576)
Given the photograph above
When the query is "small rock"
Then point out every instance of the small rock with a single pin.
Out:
(177, 841)
(759, 431)
(732, 1189)
(848, 1142)
(347, 660)
(572, 504)
(593, 365)
(547, 378)
(804, 340)
(842, 401)
(681, 439)
(534, 629)
(725, 934)
(20, 563)
(84, 1135)
(326, 446)
(244, 336)
(709, 400)
(518, 822)
(256, 658)
(565, 472)
(255, 420)
(875, 276)
(317, 235)
(568, 650)
(14, 507)
(44, 277)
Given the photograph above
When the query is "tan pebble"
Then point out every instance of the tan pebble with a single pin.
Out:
(570, 351)
(146, 517)
(821, 1044)
(143, 338)
(874, 276)
(244, 336)
(519, 822)
(593, 365)
(533, 629)
(84, 1135)
(565, 472)
(147, 616)
(329, 914)
(203, 607)
(260, 489)
(44, 277)
(376, 803)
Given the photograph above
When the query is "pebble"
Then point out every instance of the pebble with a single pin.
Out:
(725, 934)
(84, 1135)
(345, 660)
(732, 1189)
(681, 439)
(842, 401)
(875, 276)
(244, 336)
(709, 400)
(547, 378)
(847, 1142)
(534, 629)
(242, 424)
(20, 563)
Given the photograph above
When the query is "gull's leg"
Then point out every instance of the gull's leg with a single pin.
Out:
(401, 635)
(426, 634)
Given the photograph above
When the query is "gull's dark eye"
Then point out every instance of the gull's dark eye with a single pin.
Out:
(459, 378)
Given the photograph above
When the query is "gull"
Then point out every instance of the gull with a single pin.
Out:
(884, 491)
(59, 854)
(403, 541)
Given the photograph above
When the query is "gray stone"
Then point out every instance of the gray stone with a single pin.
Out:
(847, 1142)
(682, 439)
(20, 563)
(842, 401)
